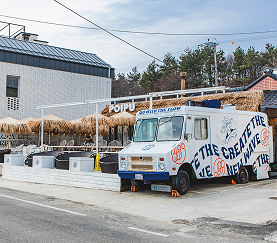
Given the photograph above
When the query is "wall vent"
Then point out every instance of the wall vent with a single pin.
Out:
(13, 104)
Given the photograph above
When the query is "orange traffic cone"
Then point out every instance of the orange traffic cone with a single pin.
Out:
(175, 193)
(231, 181)
(134, 189)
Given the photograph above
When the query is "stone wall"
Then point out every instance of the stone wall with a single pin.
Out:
(96, 180)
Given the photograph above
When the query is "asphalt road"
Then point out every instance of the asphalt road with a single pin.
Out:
(27, 217)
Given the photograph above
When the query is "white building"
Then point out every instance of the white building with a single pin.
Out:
(33, 74)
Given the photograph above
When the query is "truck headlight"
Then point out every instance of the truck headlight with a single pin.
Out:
(161, 164)
(123, 163)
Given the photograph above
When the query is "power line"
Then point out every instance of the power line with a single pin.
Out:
(154, 33)
(143, 32)
(108, 32)
(144, 64)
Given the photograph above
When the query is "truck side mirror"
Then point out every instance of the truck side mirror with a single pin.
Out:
(187, 136)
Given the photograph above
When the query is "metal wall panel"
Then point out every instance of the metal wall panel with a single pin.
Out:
(54, 64)
(41, 86)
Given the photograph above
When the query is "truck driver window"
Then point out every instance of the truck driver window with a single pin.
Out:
(170, 128)
(200, 128)
(145, 130)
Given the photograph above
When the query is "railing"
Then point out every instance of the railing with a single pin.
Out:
(83, 148)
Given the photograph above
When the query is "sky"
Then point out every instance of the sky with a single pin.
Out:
(197, 17)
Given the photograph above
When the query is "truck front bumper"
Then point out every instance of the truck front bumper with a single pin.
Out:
(146, 176)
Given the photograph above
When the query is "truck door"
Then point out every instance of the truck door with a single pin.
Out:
(202, 147)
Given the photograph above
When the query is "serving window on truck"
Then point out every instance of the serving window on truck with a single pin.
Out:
(200, 128)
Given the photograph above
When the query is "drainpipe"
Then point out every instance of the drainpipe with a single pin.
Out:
(41, 148)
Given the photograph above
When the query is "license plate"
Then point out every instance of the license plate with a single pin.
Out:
(138, 176)
(161, 188)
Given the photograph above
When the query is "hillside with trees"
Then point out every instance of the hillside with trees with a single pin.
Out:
(237, 69)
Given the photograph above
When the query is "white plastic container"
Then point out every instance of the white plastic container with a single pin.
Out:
(81, 164)
(44, 162)
(14, 159)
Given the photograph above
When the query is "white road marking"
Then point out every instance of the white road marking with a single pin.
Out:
(38, 204)
(149, 232)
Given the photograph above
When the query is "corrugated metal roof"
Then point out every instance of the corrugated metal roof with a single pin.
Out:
(52, 52)
(270, 98)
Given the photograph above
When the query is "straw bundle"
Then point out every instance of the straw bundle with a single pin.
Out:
(122, 118)
(11, 125)
(50, 123)
(247, 101)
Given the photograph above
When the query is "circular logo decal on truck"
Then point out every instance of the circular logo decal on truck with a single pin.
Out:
(264, 137)
(178, 154)
(219, 167)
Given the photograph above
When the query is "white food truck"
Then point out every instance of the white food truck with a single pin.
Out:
(172, 145)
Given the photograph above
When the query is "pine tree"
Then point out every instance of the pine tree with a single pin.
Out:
(149, 77)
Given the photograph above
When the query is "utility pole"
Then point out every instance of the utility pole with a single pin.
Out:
(213, 45)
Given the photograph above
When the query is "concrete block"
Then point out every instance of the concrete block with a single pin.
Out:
(81, 164)
(44, 161)
(14, 159)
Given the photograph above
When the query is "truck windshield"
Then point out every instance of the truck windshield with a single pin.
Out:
(145, 130)
(170, 128)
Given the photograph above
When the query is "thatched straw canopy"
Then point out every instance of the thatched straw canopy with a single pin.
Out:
(89, 124)
(247, 101)
(91, 120)
(122, 118)
(103, 129)
(50, 123)
(77, 125)
(80, 128)
(11, 125)
(26, 122)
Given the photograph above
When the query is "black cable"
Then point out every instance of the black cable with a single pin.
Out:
(143, 32)
(108, 32)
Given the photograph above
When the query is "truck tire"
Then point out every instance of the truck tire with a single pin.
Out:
(182, 182)
(242, 177)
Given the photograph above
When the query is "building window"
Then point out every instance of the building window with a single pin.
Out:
(12, 87)
(200, 128)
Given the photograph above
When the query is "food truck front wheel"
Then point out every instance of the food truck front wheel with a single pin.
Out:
(182, 182)
(242, 177)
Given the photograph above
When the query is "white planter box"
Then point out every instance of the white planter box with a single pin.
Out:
(81, 164)
(14, 159)
(44, 162)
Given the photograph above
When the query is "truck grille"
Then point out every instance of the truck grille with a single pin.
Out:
(141, 164)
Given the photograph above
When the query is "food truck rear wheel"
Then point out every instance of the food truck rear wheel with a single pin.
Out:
(242, 177)
(182, 182)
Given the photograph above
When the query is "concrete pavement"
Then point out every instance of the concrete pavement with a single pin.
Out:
(255, 202)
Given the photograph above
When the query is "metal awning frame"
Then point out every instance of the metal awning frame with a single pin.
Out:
(149, 96)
